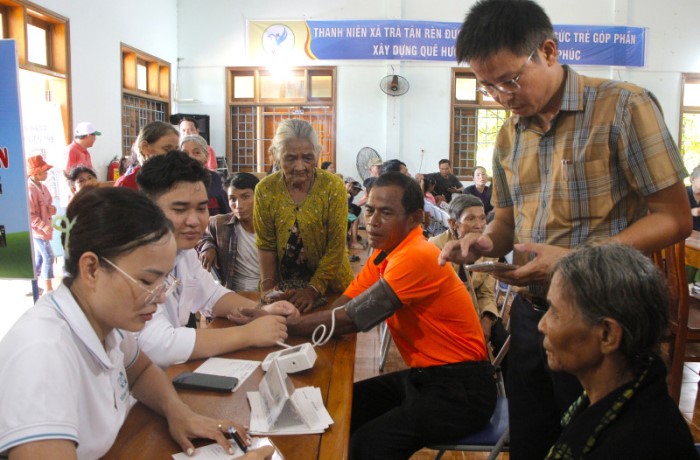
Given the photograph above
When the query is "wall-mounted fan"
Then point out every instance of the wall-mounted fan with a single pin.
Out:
(394, 85)
(365, 157)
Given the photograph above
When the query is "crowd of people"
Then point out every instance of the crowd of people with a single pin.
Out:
(171, 244)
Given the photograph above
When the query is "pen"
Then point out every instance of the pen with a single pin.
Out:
(236, 437)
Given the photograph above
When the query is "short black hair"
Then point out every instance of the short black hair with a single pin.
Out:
(73, 174)
(391, 166)
(326, 164)
(412, 199)
(242, 180)
(111, 222)
(160, 173)
(493, 25)
(443, 161)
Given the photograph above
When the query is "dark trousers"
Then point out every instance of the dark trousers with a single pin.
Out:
(537, 397)
(396, 414)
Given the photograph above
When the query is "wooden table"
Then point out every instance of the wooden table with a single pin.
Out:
(145, 434)
(692, 249)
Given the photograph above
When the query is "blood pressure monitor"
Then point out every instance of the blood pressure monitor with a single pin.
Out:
(291, 360)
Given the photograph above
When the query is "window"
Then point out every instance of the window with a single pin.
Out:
(259, 98)
(41, 38)
(689, 139)
(145, 93)
(38, 41)
(476, 120)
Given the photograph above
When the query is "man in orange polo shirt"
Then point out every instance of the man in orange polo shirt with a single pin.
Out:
(449, 390)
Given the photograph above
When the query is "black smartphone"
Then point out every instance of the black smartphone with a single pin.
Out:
(490, 266)
(199, 381)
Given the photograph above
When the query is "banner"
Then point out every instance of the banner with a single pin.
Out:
(15, 240)
(292, 41)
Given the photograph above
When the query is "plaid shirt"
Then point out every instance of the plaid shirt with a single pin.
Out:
(588, 176)
(221, 235)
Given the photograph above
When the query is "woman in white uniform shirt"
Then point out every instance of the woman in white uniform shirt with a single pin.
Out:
(69, 365)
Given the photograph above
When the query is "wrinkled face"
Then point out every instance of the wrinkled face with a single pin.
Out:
(187, 128)
(386, 222)
(185, 204)
(84, 179)
(298, 161)
(480, 177)
(472, 220)
(532, 96)
(121, 301)
(194, 151)
(445, 170)
(161, 146)
(571, 344)
(242, 202)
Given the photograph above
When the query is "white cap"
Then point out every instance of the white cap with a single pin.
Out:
(85, 129)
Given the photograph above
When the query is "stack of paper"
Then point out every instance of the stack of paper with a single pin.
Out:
(278, 408)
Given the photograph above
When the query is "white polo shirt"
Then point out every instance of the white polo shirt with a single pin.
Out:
(165, 338)
(57, 381)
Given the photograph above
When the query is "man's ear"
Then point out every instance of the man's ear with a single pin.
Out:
(549, 47)
(88, 265)
(417, 217)
(611, 333)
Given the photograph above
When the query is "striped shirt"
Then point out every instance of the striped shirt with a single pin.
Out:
(588, 176)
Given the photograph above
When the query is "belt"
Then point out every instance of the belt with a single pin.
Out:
(537, 303)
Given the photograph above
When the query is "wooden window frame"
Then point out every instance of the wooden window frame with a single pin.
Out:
(16, 15)
(257, 103)
(480, 101)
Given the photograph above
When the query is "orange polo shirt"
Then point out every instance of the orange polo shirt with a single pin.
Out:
(437, 323)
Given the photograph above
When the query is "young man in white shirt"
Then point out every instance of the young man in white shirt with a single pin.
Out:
(178, 185)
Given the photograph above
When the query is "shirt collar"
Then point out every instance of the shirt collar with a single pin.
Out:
(412, 235)
(63, 301)
(571, 100)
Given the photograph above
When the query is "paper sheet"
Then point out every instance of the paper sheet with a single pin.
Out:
(239, 368)
(216, 452)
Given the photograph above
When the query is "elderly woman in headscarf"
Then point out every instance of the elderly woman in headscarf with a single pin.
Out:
(608, 311)
(196, 147)
(300, 221)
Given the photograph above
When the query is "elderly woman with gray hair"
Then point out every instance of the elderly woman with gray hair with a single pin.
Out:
(196, 147)
(300, 220)
(608, 309)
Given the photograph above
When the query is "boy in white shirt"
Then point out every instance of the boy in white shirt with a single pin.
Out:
(178, 185)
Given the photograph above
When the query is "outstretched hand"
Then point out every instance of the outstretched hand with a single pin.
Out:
(537, 270)
(465, 250)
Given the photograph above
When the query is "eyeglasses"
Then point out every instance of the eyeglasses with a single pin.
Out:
(508, 87)
(162, 290)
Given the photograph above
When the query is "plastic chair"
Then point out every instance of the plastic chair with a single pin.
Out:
(494, 437)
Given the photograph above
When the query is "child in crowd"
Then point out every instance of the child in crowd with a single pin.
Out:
(80, 177)
(353, 188)
(40, 210)
(228, 244)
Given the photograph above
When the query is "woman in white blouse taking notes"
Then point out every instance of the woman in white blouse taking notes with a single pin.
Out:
(69, 365)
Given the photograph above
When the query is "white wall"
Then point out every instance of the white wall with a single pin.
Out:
(96, 31)
(208, 35)
(213, 35)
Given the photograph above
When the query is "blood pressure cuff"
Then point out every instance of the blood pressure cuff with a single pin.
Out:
(373, 306)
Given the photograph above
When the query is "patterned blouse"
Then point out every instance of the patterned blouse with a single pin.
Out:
(322, 224)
